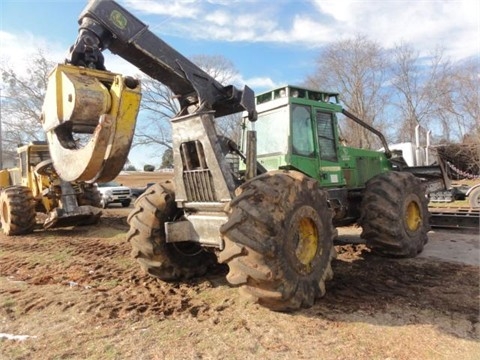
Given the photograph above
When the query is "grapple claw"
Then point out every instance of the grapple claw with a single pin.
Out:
(101, 104)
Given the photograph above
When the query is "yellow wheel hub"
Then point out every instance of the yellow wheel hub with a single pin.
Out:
(307, 241)
(413, 218)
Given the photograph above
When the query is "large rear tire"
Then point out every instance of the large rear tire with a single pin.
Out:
(279, 240)
(166, 261)
(17, 210)
(394, 215)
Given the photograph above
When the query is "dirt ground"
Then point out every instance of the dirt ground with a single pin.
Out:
(75, 293)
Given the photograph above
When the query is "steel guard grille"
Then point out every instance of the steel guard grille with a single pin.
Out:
(199, 185)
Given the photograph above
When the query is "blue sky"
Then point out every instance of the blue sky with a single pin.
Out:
(270, 42)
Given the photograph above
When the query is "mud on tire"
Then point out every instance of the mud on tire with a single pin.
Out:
(17, 210)
(166, 261)
(279, 240)
(394, 215)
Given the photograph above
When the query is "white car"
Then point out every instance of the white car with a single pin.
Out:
(114, 193)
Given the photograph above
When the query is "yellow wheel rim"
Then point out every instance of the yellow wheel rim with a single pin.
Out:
(413, 217)
(307, 241)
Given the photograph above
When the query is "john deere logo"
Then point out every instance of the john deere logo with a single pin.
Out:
(118, 19)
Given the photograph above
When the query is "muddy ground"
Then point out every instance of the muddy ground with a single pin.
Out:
(76, 293)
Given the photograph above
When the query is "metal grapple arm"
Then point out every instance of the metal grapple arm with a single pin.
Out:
(83, 98)
(107, 25)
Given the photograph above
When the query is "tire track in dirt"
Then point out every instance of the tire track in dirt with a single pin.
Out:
(89, 271)
(368, 283)
(105, 281)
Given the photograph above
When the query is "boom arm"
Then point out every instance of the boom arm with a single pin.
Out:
(86, 99)
(107, 25)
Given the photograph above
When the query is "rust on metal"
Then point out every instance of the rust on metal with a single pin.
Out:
(97, 104)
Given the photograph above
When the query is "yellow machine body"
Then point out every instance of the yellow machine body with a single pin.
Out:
(35, 187)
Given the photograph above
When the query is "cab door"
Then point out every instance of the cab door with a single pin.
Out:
(303, 144)
(329, 171)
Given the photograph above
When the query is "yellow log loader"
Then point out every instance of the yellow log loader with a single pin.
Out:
(33, 193)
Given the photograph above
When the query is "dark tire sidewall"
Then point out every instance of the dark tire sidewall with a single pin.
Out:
(262, 242)
(384, 214)
(159, 258)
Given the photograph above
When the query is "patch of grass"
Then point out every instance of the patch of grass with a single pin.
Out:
(8, 303)
(124, 263)
(61, 256)
(110, 352)
(106, 232)
(108, 283)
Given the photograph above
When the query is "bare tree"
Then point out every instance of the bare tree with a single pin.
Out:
(159, 106)
(459, 116)
(224, 71)
(217, 66)
(421, 86)
(357, 68)
(21, 102)
(459, 112)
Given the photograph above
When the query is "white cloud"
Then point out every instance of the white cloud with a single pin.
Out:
(17, 50)
(261, 83)
(425, 24)
(300, 32)
(455, 25)
(258, 83)
(172, 8)
(340, 10)
(220, 18)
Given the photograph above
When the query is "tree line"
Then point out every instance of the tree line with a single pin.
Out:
(394, 90)
(397, 89)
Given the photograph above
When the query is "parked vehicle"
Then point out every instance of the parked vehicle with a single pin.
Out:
(114, 193)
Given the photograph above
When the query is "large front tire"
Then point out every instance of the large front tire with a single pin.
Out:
(166, 261)
(394, 215)
(17, 210)
(279, 240)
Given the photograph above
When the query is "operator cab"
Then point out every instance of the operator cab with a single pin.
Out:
(29, 157)
(297, 129)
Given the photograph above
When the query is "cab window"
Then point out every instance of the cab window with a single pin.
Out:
(302, 132)
(326, 136)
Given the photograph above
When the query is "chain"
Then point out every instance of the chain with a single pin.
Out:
(462, 173)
